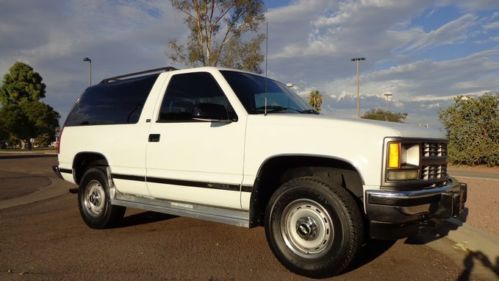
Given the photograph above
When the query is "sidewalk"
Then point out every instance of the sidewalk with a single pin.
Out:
(6, 154)
(475, 243)
(474, 249)
(474, 172)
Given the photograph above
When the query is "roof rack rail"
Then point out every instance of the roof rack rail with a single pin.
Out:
(136, 74)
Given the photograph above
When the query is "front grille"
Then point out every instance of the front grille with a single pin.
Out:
(433, 172)
(434, 149)
(433, 161)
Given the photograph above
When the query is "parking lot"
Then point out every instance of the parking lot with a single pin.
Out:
(47, 240)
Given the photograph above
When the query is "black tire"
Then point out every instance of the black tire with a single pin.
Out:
(298, 231)
(94, 201)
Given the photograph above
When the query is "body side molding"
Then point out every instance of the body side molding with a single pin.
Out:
(200, 184)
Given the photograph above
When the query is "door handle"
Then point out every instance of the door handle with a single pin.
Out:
(154, 137)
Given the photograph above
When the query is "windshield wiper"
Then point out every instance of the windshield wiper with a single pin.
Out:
(309, 111)
(276, 108)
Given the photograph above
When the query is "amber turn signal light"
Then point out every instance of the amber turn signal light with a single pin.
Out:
(394, 155)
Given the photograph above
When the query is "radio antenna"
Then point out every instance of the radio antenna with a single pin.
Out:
(266, 64)
(266, 48)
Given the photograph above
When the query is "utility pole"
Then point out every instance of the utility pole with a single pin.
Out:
(357, 61)
(90, 70)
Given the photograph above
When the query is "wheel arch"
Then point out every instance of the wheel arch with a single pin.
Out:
(278, 169)
(83, 160)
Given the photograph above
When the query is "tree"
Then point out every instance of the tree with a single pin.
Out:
(43, 119)
(4, 135)
(315, 100)
(220, 34)
(16, 123)
(472, 125)
(21, 84)
(23, 115)
(385, 115)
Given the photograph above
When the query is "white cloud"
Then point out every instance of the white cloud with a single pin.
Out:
(449, 33)
(311, 43)
(492, 25)
(474, 5)
(343, 28)
(53, 36)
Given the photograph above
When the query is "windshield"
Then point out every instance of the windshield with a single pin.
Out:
(259, 94)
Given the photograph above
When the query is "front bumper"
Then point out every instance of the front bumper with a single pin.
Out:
(397, 214)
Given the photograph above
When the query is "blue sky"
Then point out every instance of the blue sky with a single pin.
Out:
(422, 52)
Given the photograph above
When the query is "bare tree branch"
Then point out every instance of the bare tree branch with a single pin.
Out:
(215, 24)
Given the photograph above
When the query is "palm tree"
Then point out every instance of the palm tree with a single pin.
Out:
(315, 100)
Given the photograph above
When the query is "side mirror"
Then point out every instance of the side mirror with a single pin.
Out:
(210, 112)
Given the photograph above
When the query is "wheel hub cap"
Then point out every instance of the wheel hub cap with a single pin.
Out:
(307, 228)
(93, 200)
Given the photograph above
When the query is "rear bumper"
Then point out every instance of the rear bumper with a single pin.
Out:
(397, 214)
(57, 171)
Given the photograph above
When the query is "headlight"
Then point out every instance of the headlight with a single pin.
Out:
(402, 161)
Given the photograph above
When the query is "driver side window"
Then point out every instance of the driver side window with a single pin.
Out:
(185, 92)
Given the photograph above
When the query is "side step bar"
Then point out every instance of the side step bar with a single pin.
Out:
(210, 213)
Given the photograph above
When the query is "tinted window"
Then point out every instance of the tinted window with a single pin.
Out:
(185, 91)
(258, 94)
(117, 102)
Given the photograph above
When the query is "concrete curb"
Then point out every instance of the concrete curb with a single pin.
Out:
(54, 189)
(25, 155)
(28, 152)
(474, 239)
(20, 154)
(469, 247)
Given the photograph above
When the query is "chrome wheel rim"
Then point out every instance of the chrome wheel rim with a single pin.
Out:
(94, 198)
(307, 228)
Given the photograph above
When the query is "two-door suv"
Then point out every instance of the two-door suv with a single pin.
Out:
(239, 148)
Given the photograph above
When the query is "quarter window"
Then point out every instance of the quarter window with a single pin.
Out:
(118, 102)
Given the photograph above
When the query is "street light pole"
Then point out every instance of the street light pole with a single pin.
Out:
(357, 61)
(387, 97)
(90, 69)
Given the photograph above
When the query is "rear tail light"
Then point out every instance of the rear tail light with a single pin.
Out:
(58, 141)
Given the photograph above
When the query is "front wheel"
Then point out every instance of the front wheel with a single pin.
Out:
(313, 228)
(94, 201)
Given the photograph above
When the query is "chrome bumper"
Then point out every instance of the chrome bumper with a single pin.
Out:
(402, 213)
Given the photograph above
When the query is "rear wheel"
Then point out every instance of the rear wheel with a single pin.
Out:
(313, 228)
(94, 201)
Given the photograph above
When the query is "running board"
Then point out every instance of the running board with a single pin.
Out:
(210, 213)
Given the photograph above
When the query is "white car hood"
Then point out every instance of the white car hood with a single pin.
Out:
(383, 128)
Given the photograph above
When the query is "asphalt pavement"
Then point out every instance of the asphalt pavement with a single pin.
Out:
(44, 238)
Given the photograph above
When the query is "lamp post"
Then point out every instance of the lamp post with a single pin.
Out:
(357, 61)
(90, 69)
(387, 97)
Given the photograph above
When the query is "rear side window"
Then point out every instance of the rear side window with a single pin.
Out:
(185, 91)
(119, 102)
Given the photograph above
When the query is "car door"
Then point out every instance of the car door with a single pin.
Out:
(195, 161)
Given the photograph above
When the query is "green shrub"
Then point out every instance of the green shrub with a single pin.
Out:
(472, 125)
(385, 115)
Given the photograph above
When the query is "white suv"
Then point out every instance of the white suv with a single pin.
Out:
(239, 148)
